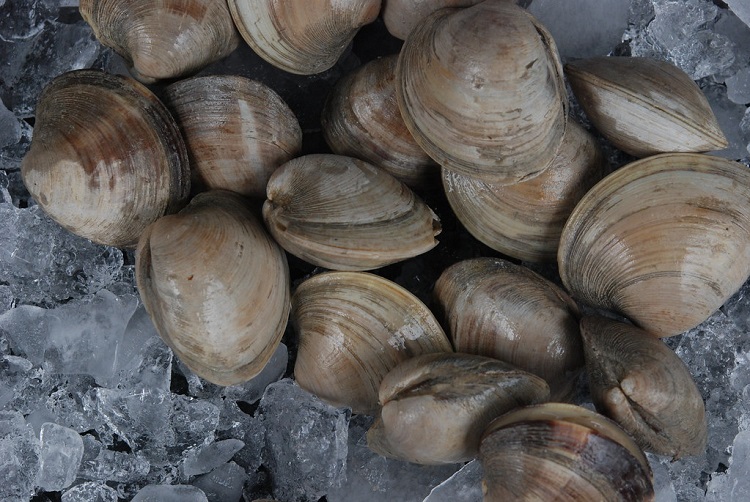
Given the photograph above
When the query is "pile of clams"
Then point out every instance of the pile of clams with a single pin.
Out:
(476, 98)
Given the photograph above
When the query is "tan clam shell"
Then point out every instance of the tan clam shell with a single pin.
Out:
(645, 106)
(436, 406)
(558, 452)
(481, 90)
(361, 119)
(107, 158)
(638, 381)
(237, 131)
(664, 241)
(401, 16)
(163, 38)
(303, 37)
(497, 309)
(525, 220)
(216, 286)
(345, 214)
(353, 328)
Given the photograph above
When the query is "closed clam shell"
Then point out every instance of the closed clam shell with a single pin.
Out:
(401, 16)
(346, 214)
(303, 37)
(216, 286)
(163, 38)
(481, 90)
(664, 241)
(524, 220)
(497, 309)
(436, 406)
(237, 131)
(353, 328)
(560, 452)
(640, 383)
(645, 106)
(361, 119)
(107, 158)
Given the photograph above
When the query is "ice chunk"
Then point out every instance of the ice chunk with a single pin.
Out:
(464, 486)
(20, 19)
(741, 8)
(170, 493)
(10, 127)
(208, 457)
(305, 444)
(738, 86)
(223, 483)
(236, 424)
(595, 34)
(370, 476)
(194, 422)
(144, 361)
(745, 127)
(663, 487)
(729, 116)
(101, 464)
(61, 454)
(90, 492)
(19, 457)
(80, 337)
(15, 375)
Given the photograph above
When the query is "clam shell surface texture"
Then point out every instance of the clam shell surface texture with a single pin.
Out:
(664, 241)
(481, 89)
(216, 286)
(107, 158)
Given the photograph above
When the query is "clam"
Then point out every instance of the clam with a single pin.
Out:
(663, 241)
(303, 37)
(556, 452)
(237, 131)
(525, 220)
(481, 90)
(361, 119)
(346, 214)
(216, 286)
(401, 16)
(436, 406)
(107, 158)
(638, 381)
(497, 309)
(163, 38)
(353, 328)
(644, 106)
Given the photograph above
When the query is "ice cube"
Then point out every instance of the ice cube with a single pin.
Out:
(19, 457)
(208, 457)
(90, 491)
(170, 493)
(223, 483)
(305, 443)
(100, 464)
(61, 454)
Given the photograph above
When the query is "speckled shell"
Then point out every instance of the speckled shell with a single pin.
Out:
(237, 131)
(303, 37)
(664, 241)
(216, 286)
(560, 452)
(644, 106)
(436, 406)
(401, 16)
(525, 220)
(481, 90)
(361, 119)
(107, 158)
(640, 383)
(163, 38)
(345, 214)
(497, 309)
(353, 328)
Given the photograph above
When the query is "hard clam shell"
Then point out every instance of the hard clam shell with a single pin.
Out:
(216, 286)
(481, 90)
(163, 38)
(401, 16)
(645, 106)
(237, 131)
(638, 381)
(664, 241)
(353, 328)
(346, 214)
(303, 37)
(524, 220)
(107, 158)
